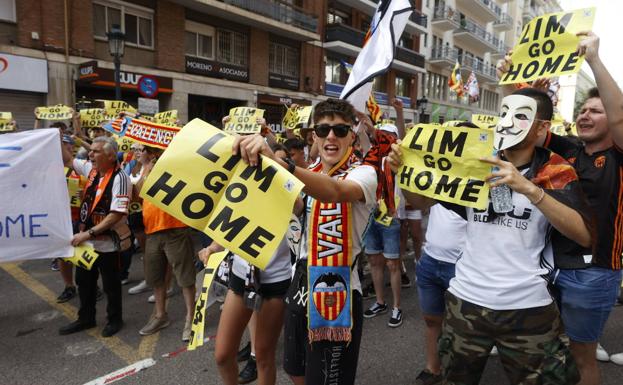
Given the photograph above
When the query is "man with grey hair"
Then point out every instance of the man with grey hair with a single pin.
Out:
(103, 221)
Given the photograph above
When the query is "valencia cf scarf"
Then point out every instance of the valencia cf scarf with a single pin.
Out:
(329, 262)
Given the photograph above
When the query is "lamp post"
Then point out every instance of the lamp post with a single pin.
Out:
(421, 106)
(116, 45)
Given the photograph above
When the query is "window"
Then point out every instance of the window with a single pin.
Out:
(335, 16)
(378, 84)
(232, 48)
(436, 86)
(7, 10)
(333, 71)
(406, 41)
(402, 87)
(136, 22)
(283, 59)
(199, 40)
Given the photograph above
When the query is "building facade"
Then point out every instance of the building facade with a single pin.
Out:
(206, 56)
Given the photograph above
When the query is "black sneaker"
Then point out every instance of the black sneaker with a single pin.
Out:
(405, 282)
(99, 295)
(375, 310)
(249, 373)
(67, 294)
(427, 378)
(244, 353)
(396, 319)
(54, 265)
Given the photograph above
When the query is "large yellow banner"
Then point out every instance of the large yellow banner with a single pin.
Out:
(243, 120)
(443, 163)
(547, 46)
(57, 112)
(198, 181)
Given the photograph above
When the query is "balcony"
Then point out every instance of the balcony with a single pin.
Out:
(503, 23)
(483, 70)
(274, 16)
(500, 50)
(347, 41)
(445, 19)
(484, 10)
(474, 36)
(443, 56)
(416, 24)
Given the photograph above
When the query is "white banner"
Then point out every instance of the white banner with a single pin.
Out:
(35, 220)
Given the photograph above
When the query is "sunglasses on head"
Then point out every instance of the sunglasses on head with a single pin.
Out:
(339, 130)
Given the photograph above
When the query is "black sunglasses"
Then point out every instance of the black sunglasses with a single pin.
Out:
(340, 130)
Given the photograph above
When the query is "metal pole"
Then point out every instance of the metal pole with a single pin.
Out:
(117, 76)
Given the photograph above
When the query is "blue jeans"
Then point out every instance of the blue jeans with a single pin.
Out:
(433, 279)
(585, 299)
(384, 240)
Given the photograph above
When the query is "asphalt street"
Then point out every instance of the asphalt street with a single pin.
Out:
(34, 353)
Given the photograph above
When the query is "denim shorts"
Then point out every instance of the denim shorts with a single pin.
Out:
(384, 240)
(585, 299)
(433, 279)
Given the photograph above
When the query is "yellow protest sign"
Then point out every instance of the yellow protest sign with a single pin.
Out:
(93, 117)
(74, 187)
(547, 46)
(114, 107)
(388, 121)
(198, 325)
(485, 121)
(243, 120)
(124, 143)
(57, 112)
(6, 122)
(382, 216)
(451, 123)
(198, 181)
(84, 256)
(443, 163)
(168, 118)
(296, 116)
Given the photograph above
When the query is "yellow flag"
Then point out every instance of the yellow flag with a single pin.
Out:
(198, 181)
(198, 325)
(547, 46)
(443, 163)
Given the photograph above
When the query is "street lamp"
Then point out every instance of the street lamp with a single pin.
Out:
(116, 44)
(421, 105)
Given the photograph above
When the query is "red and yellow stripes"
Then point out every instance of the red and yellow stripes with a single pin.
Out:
(617, 244)
(330, 304)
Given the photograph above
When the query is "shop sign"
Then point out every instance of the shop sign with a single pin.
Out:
(150, 85)
(216, 70)
(22, 73)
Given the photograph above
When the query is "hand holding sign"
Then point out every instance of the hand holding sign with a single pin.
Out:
(243, 120)
(589, 46)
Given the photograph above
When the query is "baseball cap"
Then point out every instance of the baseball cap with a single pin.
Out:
(389, 128)
(68, 139)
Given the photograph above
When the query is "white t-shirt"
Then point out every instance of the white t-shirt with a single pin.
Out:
(501, 265)
(365, 176)
(121, 192)
(277, 270)
(445, 234)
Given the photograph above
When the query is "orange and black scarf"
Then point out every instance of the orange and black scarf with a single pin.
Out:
(329, 262)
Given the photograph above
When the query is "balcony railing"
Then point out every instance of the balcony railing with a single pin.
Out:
(446, 13)
(280, 11)
(409, 56)
(341, 32)
(479, 66)
(477, 31)
(504, 19)
(449, 54)
(419, 18)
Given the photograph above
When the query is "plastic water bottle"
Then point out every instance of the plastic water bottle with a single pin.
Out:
(501, 195)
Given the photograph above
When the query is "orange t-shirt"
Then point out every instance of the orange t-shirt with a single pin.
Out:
(156, 220)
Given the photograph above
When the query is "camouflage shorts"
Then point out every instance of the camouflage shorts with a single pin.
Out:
(530, 342)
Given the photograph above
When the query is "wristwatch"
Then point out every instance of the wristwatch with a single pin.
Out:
(291, 165)
(91, 233)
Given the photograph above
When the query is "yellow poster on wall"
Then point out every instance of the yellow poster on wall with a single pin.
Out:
(547, 46)
(443, 163)
(198, 181)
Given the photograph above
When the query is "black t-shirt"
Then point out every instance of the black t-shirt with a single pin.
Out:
(601, 178)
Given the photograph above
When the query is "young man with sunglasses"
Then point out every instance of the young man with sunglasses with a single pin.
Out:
(341, 194)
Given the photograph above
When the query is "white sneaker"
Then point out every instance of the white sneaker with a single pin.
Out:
(152, 298)
(617, 358)
(602, 354)
(138, 289)
(494, 351)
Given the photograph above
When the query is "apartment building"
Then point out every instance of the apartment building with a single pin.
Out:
(206, 56)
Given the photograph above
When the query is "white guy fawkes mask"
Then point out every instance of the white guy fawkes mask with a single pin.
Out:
(516, 118)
